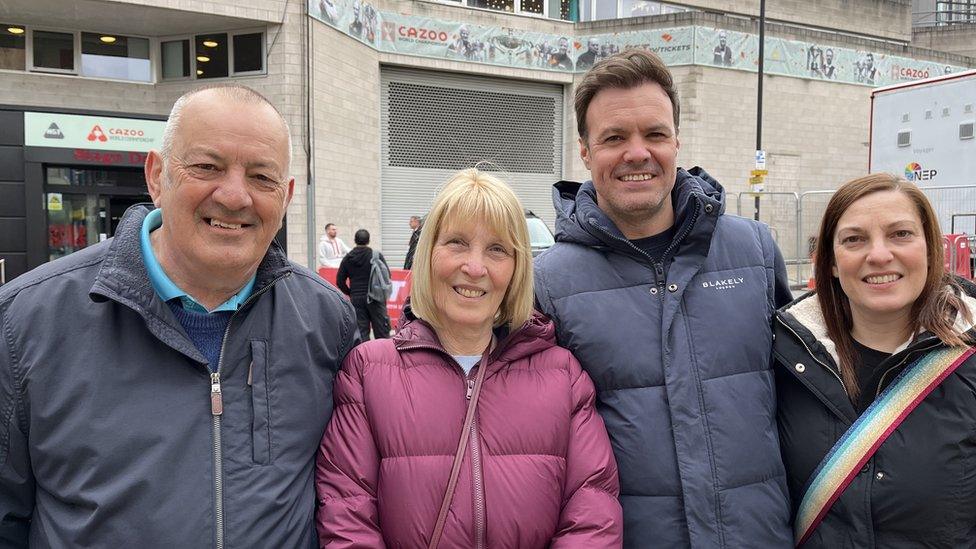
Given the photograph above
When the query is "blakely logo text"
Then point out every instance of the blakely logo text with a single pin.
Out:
(724, 284)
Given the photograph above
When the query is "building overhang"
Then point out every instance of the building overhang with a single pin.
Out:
(121, 17)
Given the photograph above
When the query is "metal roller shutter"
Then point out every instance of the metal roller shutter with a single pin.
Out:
(433, 124)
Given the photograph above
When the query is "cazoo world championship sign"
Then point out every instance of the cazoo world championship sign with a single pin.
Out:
(691, 45)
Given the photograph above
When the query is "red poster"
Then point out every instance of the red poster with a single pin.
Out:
(401, 289)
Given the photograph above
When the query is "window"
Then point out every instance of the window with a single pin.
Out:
(532, 6)
(54, 51)
(500, 5)
(248, 52)
(592, 10)
(528, 7)
(605, 10)
(175, 59)
(212, 55)
(112, 56)
(13, 39)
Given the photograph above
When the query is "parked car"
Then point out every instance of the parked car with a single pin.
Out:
(539, 234)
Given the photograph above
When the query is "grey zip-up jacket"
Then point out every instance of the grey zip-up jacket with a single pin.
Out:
(681, 358)
(107, 431)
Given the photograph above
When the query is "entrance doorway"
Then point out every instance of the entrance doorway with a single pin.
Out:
(85, 205)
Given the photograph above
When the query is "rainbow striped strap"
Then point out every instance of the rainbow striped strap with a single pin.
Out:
(865, 436)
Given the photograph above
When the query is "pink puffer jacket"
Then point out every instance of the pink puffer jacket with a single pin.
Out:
(548, 477)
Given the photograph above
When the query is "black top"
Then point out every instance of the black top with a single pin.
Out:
(869, 372)
(353, 276)
(655, 245)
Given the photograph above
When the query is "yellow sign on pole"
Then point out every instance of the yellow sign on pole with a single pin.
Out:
(756, 180)
(759, 173)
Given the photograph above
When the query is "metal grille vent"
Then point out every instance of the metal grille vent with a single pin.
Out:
(928, 115)
(443, 128)
(904, 138)
(966, 130)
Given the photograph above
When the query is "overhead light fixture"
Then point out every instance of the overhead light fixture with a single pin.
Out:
(203, 58)
(210, 43)
(199, 72)
(107, 39)
(15, 30)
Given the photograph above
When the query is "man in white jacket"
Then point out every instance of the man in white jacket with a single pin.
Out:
(331, 248)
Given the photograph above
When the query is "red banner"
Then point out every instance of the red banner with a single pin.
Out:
(401, 289)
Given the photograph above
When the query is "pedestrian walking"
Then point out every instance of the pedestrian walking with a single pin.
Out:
(354, 280)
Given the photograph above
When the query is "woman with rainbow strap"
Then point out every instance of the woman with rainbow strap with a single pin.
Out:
(876, 382)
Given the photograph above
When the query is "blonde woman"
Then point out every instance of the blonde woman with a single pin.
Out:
(469, 428)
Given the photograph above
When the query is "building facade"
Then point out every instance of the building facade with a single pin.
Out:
(386, 98)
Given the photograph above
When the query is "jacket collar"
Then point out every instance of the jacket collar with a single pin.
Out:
(805, 318)
(580, 220)
(536, 335)
(122, 275)
(802, 322)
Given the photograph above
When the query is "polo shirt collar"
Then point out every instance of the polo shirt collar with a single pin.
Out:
(164, 286)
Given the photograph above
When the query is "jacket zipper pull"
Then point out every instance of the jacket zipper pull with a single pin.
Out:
(216, 400)
(470, 389)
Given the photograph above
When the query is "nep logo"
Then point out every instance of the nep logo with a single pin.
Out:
(914, 172)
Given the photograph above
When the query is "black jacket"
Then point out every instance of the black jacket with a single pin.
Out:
(919, 489)
(353, 276)
(412, 249)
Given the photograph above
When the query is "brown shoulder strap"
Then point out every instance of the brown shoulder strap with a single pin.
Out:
(435, 536)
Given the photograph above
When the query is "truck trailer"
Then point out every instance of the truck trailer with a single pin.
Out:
(923, 131)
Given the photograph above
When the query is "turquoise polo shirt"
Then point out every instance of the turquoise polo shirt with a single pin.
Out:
(165, 287)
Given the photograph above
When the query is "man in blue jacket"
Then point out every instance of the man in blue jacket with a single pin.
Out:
(169, 387)
(667, 301)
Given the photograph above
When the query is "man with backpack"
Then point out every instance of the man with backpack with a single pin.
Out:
(365, 277)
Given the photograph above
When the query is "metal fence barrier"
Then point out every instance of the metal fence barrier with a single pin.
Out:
(794, 219)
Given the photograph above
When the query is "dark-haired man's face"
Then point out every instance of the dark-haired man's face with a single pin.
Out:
(631, 150)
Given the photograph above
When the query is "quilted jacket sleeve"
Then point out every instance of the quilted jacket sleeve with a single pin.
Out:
(347, 466)
(16, 477)
(591, 516)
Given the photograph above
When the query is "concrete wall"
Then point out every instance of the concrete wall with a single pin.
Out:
(815, 132)
(283, 85)
(346, 108)
(958, 39)
(890, 19)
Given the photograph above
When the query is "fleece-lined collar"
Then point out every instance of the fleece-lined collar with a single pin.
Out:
(805, 318)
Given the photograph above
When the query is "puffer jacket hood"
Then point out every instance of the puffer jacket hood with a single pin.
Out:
(538, 470)
(579, 220)
(914, 491)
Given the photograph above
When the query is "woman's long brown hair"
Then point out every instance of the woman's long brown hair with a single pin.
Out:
(936, 306)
